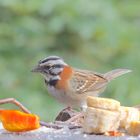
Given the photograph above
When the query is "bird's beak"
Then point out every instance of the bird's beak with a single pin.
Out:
(37, 68)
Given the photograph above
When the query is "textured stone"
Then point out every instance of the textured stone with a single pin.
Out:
(62, 134)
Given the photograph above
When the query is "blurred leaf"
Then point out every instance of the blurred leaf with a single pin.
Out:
(97, 35)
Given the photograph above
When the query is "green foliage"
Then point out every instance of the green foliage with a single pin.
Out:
(97, 35)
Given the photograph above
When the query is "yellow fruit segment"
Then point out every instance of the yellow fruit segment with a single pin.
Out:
(17, 121)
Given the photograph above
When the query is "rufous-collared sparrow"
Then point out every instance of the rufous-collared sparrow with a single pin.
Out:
(71, 86)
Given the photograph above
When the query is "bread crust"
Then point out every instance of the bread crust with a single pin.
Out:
(100, 121)
(127, 115)
(103, 103)
(134, 128)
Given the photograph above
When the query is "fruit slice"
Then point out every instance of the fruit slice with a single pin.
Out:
(17, 121)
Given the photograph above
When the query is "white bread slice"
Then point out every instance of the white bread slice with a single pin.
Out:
(103, 103)
(127, 115)
(134, 128)
(100, 121)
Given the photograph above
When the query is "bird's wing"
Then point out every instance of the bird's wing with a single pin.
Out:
(86, 81)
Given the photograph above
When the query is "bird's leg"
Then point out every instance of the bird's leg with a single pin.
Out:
(69, 117)
(72, 123)
(65, 115)
(75, 118)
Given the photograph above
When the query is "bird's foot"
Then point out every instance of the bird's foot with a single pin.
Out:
(76, 119)
(65, 114)
(69, 117)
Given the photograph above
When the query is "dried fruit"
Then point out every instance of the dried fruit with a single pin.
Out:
(114, 133)
(17, 121)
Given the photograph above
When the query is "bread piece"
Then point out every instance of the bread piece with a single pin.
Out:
(100, 121)
(127, 115)
(134, 128)
(103, 103)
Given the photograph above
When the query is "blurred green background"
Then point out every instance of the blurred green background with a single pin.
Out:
(97, 35)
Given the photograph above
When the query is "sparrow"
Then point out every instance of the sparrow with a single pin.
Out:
(71, 86)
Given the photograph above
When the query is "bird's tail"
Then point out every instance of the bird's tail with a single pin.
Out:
(115, 73)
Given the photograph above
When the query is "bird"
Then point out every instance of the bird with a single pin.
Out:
(72, 86)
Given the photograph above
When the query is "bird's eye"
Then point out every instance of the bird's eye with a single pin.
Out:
(49, 66)
(53, 66)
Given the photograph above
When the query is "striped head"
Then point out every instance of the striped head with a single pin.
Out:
(50, 68)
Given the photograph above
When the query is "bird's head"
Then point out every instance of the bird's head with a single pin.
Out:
(50, 67)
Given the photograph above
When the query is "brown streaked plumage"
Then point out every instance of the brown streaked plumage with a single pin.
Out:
(71, 86)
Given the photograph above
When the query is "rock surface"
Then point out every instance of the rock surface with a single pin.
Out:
(62, 134)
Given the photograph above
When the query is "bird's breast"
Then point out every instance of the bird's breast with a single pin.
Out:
(63, 96)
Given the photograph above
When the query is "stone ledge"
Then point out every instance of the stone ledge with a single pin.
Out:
(44, 133)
